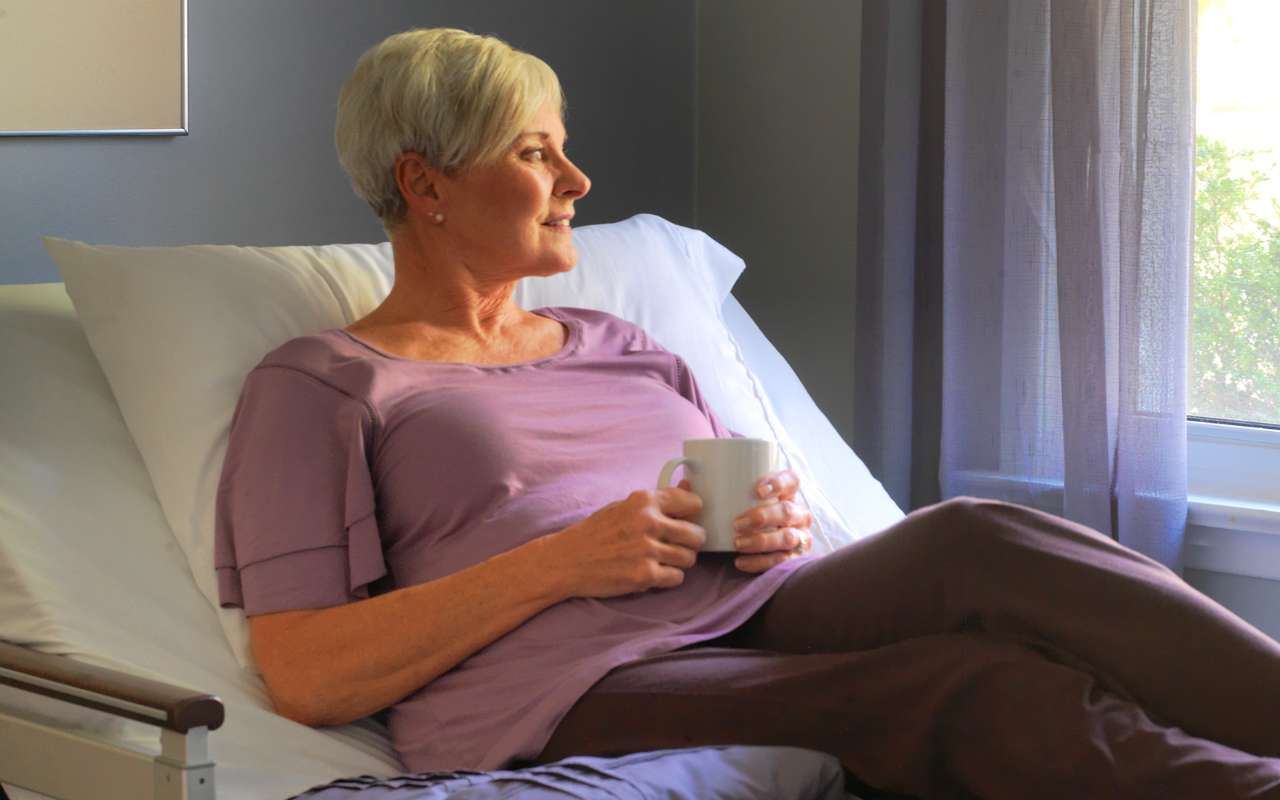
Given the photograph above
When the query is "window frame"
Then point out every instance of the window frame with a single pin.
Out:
(1233, 498)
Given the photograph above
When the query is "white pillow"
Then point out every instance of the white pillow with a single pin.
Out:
(851, 503)
(176, 329)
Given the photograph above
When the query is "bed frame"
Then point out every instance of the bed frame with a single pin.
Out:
(86, 767)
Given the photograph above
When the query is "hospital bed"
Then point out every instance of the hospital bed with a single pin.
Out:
(119, 675)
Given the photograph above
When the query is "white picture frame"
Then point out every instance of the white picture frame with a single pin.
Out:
(93, 68)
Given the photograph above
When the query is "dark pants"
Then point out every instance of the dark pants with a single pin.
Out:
(974, 649)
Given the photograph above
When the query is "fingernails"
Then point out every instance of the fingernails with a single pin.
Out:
(741, 524)
(739, 542)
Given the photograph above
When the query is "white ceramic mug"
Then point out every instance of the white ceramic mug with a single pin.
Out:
(724, 473)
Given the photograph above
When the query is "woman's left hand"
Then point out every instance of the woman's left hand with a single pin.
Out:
(776, 528)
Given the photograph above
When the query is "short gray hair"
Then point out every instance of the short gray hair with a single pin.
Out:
(456, 98)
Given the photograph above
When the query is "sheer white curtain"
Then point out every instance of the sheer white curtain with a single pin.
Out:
(1067, 207)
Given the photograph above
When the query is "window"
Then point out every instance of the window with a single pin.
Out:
(1234, 363)
(1233, 366)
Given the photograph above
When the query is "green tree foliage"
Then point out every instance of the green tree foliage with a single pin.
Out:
(1235, 305)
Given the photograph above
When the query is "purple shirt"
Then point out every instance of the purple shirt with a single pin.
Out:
(351, 472)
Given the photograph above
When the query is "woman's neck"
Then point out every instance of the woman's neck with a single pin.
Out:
(436, 291)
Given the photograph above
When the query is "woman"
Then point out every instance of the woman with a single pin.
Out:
(441, 510)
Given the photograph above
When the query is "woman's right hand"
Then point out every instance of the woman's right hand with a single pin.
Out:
(639, 543)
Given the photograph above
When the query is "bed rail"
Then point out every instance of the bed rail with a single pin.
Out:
(73, 765)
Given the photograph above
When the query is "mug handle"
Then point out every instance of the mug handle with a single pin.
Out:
(668, 469)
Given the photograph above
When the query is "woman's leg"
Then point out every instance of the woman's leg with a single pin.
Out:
(949, 716)
(984, 565)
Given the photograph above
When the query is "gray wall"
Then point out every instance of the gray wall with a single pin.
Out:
(777, 174)
(259, 168)
(1255, 600)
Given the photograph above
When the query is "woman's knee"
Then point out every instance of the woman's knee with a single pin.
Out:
(1000, 524)
(964, 523)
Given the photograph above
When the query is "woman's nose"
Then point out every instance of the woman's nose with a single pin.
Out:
(573, 181)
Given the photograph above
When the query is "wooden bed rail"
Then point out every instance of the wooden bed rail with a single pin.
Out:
(124, 695)
(72, 765)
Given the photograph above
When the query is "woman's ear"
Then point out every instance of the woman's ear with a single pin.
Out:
(419, 183)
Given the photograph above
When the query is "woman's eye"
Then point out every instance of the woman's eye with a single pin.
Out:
(536, 154)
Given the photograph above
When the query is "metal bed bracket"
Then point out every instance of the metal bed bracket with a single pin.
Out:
(78, 766)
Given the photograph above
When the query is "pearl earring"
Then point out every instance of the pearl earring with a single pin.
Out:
(439, 217)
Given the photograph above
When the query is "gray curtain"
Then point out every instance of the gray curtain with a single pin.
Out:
(897, 416)
(1064, 247)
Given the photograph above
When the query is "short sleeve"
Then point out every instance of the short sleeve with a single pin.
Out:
(295, 523)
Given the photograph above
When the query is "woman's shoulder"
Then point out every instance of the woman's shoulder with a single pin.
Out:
(591, 315)
(313, 353)
(328, 358)
(603, 326)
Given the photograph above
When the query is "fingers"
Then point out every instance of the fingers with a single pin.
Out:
(684, 533)
(675, 555)
(764, 561)
(773, 541)
(782, 484)
(768, 551)
(677, 501)
(776, 514)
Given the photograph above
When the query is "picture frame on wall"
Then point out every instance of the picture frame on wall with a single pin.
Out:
(93, 68)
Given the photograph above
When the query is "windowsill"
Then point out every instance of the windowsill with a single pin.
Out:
(1233, 514)
(1233, 502)
(1236, 537)
(1244, 515)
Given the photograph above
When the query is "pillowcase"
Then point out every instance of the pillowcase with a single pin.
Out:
(641, 266)
(846, 499)
(177, 329)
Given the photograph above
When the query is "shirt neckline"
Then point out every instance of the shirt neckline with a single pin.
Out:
(571, 343)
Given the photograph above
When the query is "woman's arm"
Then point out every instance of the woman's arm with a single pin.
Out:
(335, 665)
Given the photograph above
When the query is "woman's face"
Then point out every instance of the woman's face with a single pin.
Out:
(511, 218)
